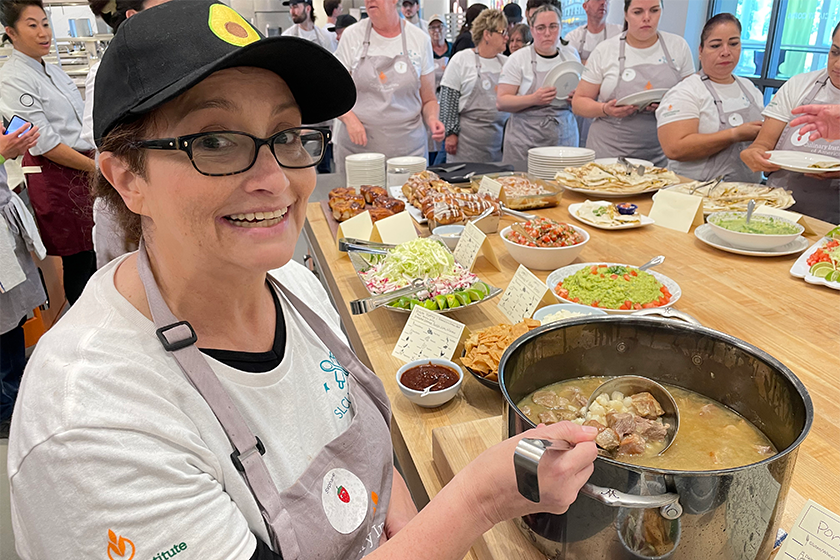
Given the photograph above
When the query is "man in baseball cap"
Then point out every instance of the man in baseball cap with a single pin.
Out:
(342, 22)
(303, 14)
(411, 12)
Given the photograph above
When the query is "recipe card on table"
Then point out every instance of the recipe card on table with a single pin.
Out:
(357, 227)
(429, 335)
(473, 241)
(490, 186)
(814, 536)
(395, 229)
(524, 295)
(787, 215)
(677, 211)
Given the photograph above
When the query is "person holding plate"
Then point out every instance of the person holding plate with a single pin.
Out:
(537, 117)
(706, 120)
(816, 194)
(474, 127)
(200, 396)
(640, 59)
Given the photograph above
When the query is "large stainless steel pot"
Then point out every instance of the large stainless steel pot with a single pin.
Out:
(726, 514)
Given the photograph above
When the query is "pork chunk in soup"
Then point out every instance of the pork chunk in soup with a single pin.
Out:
(630, 427)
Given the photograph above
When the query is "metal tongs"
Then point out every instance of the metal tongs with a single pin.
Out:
(516, 213)
(714, 182)
(366, 305)
(353, 245)
(640, 169)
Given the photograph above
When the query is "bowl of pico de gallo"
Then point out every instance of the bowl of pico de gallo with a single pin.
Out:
(546, 244)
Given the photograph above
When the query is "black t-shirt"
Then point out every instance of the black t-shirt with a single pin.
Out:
(257, 362)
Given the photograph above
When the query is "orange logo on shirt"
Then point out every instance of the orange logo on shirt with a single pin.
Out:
(649, 86)
(375, 497)
(119, 548)
(382, 77)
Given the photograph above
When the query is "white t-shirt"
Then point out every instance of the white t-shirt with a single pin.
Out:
(110, 436)
(793, 92)
(602, 65)
(87, 116)
(690, 99)
(419, 47)
(317, 35)
(422, 24)
(518, 70)
(461, 73)
(582, 40)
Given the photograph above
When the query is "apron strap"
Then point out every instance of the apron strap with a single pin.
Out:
(404, 42)
(366, 43)
(716, 98)
(818, 85)
(477, 62)
(667, 54)
(179, 338)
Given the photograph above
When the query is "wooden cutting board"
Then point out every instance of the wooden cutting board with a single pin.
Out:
(452, 448)
(456, 445)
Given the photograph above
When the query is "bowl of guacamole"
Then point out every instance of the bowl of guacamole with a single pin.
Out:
(762, 233)
(614, 287)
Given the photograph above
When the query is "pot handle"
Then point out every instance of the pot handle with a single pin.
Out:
(667, 313)
(526, 460)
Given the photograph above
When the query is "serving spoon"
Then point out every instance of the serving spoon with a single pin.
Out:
(655, 261)
(521, 231)
(750, 209)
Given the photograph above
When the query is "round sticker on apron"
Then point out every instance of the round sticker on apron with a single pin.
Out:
(400, 67)
(345, 500)
(27, 100)
(735, 119)
(629, 75)
(798, 140)
(486, 84)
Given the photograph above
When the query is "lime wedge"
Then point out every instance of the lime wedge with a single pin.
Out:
(821, 272)
(833, 276)
(820, 266)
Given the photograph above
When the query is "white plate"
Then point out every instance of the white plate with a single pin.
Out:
(634, 161)
(644, 98)
(368, 156)
(396, 192)
(573, 210)
(799, 161)
(565, 78)
(800, 268)
(561, 152)
(604, 194)
(705, 234)
(562, 273)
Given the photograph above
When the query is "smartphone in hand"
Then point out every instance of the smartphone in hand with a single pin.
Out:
(15, 125)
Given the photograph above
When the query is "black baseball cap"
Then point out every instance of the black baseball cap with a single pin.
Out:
(410, 2)
(290, 2)
(160, 53)
(342, 22)
(513, 13)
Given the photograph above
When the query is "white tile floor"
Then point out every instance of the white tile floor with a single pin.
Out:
(7, 543)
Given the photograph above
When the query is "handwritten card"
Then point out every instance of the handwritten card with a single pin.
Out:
(428, 335)
(474, 241)
(490, 186)
(358, 227)
(395, 229)
(814, 536)
(677, 210)
(524, 295)
(786, 214)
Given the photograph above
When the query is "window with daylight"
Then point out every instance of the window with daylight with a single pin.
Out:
(781, 38)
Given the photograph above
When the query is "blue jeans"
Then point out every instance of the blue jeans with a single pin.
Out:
(12, 362)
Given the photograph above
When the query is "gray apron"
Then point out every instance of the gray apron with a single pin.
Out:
(819, 198)
(583, 122)
(727, 162)
(634, 136)
(482, 125)
(301, 520)
(537, 126)
(440, 68)
(17, 302)
(388, 104)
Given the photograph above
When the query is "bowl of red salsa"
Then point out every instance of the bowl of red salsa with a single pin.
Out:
(442, 376)
(548, 244)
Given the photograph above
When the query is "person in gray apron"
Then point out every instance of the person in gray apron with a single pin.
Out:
(542, 124)
(389, 105)
(442, 52)
(727, 162)
(633, 135)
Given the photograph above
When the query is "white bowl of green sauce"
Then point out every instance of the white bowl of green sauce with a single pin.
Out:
(762, 233)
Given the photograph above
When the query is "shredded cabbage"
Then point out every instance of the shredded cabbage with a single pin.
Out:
(419, 258)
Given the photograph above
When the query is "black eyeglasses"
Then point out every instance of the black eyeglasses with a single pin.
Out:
(227, 153)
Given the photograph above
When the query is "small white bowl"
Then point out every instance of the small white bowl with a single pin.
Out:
(434, 398)
(753, 241)
(544, 258)
(450, 235)
(573, 307)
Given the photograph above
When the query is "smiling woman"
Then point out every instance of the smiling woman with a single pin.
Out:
(201, 392)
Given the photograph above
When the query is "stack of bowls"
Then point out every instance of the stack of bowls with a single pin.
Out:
(365, 169)
(401, 168)
(544, 162)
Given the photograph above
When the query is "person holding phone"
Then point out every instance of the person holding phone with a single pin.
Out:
(46, 96)
(21, 289)
(113, 447)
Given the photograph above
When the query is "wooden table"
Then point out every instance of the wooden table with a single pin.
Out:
(754, 299)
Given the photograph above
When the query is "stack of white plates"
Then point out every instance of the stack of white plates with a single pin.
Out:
(410, 164)
(365, 169)
(544, 162)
